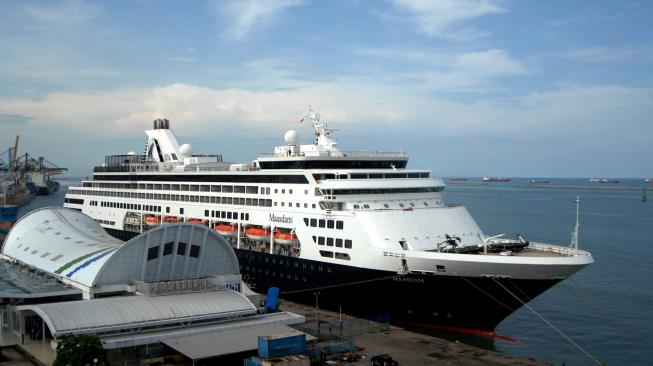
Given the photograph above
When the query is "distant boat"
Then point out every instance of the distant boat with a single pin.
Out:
(454, 180)
(537, 181)
(603, 180)
(496, 179)
(648, 180)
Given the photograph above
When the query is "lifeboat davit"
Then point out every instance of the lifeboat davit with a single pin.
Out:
(226, 229)
(195, 221)
(258, 233)
(283, 237)
(151, 220)
(170, 220)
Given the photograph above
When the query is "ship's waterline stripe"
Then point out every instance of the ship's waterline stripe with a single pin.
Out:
(85, 264)
(77, 260)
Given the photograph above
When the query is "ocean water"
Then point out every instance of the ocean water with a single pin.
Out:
(607, 308)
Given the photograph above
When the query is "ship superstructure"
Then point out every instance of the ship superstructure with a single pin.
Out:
(358, 229)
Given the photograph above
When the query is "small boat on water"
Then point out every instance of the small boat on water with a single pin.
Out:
(258, 233)
(603, 180)
(539, 181)
(226, 229)
(648, 180)
(457, 180)
(496, 179)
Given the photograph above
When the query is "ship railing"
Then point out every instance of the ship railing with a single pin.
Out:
(361, 153)
(163, 288)
(565, 251)
(245, 168)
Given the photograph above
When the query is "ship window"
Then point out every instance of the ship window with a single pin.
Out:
(321, 222)
(412, 204)
(366, 206)
(313, 222)
(54, 259)
(174, 187)
(306, 221)
(228, 189)
(330, 224)
(276, 190)
(329, 242)
(289, 204)
(440, 268)
(386, 205)
(290, 191)
(344, 256)
(167, 248)
(327, 254)
(339, 225)
(152, 253)
(194, 188)
(194, 251)
(223, 215)
(181, 210)
(247, 216)
(283, 204)
(401, 205)
(251, 189)
(181, 248)
(320, 240)
(206, 213)
(339, 243)
(205, 188)
(248, 201)
(283, 191)
(228, 215)
(215, 189)
(267, 190)
(357, 206)
(239, 189)
(313, 205)
(426, 204)
(348, 243)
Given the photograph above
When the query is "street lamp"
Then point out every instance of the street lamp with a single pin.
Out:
(317, 322)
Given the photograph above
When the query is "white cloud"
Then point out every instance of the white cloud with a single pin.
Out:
(68, 12)
(442, 18)
(242, 16)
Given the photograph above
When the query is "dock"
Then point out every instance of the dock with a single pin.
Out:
(372, 338)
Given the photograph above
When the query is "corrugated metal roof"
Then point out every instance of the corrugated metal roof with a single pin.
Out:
(127, 312)
(227, 342)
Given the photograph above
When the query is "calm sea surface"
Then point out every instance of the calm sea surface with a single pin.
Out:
(607, 308)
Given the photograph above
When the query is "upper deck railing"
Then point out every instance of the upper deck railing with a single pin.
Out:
(339, 154)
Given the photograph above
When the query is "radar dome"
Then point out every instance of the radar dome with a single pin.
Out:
(131, 153)
(291, 137)
(186, 150)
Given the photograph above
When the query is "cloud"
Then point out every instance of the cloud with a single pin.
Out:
(467, 72)
(68, 12)
(242, 16)
(442, 18)
(630, 53)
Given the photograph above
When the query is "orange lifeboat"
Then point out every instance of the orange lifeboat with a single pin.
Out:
(151, 220)
(283, 237)
(195, 221)
(258, 233)
(226, 229)
(170, 220)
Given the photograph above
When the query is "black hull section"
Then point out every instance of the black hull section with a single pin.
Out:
(418, 300)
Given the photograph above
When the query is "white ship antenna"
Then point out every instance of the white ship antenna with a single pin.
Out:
(574, 234)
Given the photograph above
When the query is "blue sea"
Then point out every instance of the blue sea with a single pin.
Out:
(607, 308)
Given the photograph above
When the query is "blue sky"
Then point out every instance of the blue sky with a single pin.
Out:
(467, 87)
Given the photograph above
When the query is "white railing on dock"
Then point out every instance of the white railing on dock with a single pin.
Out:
(566, 251)
(230, 282)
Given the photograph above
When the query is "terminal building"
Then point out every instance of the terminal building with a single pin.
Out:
(176, 287)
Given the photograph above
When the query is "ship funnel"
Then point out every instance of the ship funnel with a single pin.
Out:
(161, 124)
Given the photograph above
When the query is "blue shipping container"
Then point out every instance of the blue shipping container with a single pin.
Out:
(281, 345)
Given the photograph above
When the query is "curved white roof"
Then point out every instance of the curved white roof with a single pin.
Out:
(112, 314)
(57, 239)
(71, 245)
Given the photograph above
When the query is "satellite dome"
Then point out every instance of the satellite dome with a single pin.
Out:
(186, 150)
(131, 153)
(291, 137)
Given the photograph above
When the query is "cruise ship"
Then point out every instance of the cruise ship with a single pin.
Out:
(355, 231)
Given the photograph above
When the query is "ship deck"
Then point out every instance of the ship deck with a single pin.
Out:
(544, 250)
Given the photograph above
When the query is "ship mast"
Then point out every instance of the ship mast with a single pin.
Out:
(574, 234)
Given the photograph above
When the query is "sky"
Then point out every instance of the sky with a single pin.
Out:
(557, 88)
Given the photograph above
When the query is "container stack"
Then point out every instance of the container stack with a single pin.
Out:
(281, 349)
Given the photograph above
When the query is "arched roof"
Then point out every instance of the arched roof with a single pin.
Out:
(71, 245)
(112, 314)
